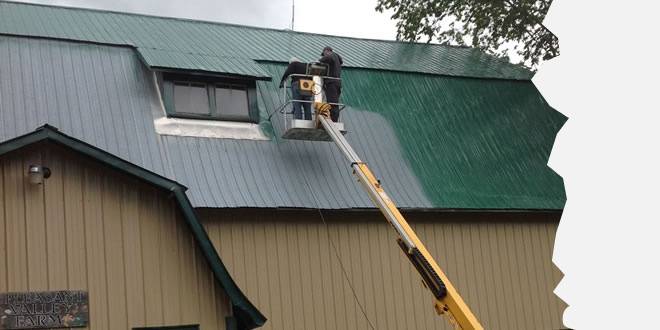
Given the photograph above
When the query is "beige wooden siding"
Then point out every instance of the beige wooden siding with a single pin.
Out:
(285, 263)
(90, 228)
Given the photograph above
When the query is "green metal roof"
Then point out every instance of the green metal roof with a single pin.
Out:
(436, 142)
(206, 46)
(470, 143)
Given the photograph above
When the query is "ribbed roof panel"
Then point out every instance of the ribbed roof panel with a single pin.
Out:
(435, 142)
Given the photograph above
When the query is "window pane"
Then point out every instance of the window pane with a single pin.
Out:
(232, 103)
(191, 98)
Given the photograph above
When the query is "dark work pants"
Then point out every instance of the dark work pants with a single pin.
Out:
(300, 108)
(332, 93)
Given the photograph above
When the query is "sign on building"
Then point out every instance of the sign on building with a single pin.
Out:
(52, 309)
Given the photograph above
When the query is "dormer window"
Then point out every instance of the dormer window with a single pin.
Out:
(209, 98)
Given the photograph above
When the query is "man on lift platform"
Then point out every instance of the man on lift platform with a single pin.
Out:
(332, 86)
(296, 67)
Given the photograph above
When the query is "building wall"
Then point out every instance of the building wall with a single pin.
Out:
(285, 262)
(90, 228)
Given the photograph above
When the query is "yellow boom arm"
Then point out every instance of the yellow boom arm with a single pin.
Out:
(447, 300)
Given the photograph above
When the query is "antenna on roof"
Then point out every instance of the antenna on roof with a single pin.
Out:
(293, 13)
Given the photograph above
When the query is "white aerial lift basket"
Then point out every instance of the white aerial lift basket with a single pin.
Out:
(308, 129)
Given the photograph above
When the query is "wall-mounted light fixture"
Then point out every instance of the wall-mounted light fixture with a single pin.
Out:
(38, 173)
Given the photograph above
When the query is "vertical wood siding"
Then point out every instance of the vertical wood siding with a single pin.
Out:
(285, 262)
(89, 228)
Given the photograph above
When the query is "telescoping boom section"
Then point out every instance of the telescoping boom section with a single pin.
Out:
(447, 300)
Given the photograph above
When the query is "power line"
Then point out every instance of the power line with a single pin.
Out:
(334, 248)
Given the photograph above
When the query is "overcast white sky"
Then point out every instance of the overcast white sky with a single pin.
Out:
(354, 18)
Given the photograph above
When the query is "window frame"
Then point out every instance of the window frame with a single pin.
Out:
(168, 80)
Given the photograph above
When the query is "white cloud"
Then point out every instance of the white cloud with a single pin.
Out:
(273, 13)
(356, 18)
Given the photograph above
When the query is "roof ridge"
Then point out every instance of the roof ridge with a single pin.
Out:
(232, 24)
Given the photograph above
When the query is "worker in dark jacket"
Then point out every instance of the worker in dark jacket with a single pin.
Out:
(332, 87)
(299, 108)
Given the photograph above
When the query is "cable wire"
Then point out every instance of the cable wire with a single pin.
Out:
(317, 203)
(334, 248)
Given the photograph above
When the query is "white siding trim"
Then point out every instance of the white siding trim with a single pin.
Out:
(209, 129)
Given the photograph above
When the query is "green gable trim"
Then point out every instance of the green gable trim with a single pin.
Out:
(248, 316)
(199, 45)
(51, 133)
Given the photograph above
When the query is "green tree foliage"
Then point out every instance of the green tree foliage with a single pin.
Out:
(499, 27)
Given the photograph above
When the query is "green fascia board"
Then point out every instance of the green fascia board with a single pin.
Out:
(157, 59)
(183, 36)
(248, 316)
